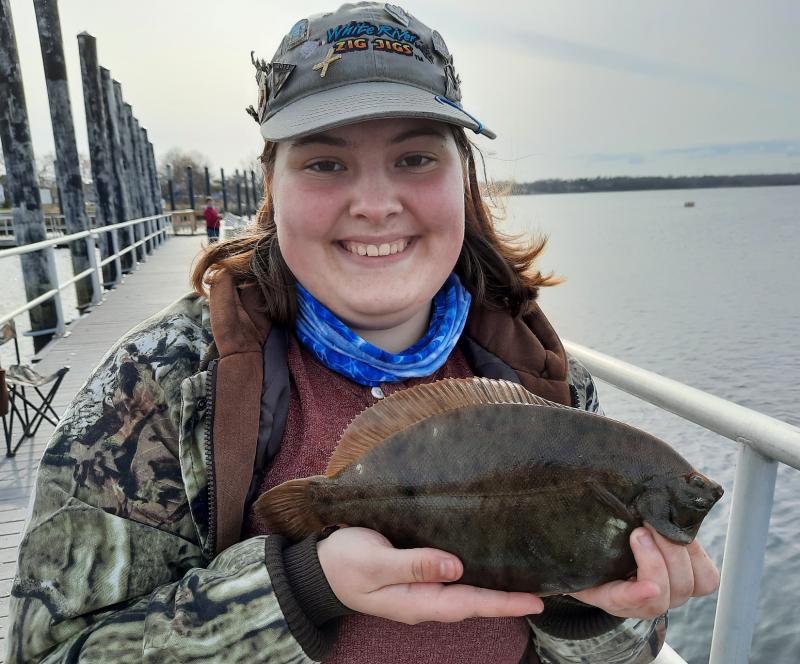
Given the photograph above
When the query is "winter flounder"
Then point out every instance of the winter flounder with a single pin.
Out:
(532, 496)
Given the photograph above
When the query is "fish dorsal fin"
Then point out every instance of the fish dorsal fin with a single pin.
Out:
(407, 407)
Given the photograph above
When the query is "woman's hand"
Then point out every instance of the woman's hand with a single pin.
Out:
(370, 576)
(667, 575)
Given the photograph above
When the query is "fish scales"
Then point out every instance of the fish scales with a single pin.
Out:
(530, 497)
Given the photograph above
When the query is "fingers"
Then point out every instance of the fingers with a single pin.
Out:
(622, 598)
(651, 566)
(458, 602)
(680, 586)
(706, 574)
(420, 602)
(418, 566)
(648, 596)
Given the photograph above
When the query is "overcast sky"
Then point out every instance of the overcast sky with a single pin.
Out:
(572, 88)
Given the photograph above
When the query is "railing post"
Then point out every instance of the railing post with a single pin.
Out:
(743, 560)
(97, 274)
(115, 250)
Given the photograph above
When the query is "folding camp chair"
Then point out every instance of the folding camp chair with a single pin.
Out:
(29, 403)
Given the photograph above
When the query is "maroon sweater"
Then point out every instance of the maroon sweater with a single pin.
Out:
(322, 404)
(211, 216)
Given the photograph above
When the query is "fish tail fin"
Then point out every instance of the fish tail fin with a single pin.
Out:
(288, 510)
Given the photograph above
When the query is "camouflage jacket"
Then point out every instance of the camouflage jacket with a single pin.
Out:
(118, 562)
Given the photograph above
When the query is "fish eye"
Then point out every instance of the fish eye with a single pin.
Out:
(697, 481)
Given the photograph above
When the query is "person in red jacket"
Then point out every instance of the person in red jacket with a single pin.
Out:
(212, 220)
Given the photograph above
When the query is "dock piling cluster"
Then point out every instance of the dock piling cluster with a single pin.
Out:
(123, 167)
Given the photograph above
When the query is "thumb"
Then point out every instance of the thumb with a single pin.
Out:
(423, 565)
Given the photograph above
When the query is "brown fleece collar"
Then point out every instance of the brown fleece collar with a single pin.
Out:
(240, 328)
(528, 344)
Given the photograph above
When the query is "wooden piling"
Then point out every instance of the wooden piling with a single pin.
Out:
(26, 209)
(190, 183)
(71, 201)
(247, 207)
(99, 153)
(138, 181)
(171, 188)
(124, 123)
(119, 167)
(256, 198)
(238, 193)
(155, 183)
(224, 190)
(145, 184)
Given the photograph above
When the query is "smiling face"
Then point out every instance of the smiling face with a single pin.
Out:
(370, 218)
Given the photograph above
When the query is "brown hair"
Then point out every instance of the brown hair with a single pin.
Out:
(494, 267)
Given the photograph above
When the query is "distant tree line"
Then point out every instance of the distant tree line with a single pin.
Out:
(621, 183)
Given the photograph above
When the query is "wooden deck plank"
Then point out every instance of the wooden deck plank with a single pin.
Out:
(7, 570)
(154, 285)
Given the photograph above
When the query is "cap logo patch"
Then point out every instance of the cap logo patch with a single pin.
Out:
(278, 74)
(361, 36)
(308, 48)
(397, 13)
(298, 34)
(425, 50)
(359, 29)
(322, 67)
(438, 45)
(453, 80)
(262, 78)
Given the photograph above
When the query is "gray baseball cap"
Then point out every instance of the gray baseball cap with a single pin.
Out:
(364, 61)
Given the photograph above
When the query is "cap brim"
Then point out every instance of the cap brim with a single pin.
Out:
(363, 101)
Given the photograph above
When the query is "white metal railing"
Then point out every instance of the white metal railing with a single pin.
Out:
(152, 229)
(54, 224)
(763, 442)
(668, 656)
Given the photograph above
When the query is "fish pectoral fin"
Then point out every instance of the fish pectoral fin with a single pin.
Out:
(609, 500)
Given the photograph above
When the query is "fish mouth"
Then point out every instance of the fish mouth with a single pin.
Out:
(686, 521)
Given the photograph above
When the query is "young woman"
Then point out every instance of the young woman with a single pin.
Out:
(374, 266)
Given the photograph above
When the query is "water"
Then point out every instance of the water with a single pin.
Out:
(704, 295)
(707, 296)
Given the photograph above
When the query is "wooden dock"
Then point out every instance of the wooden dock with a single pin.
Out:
(154, 285)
